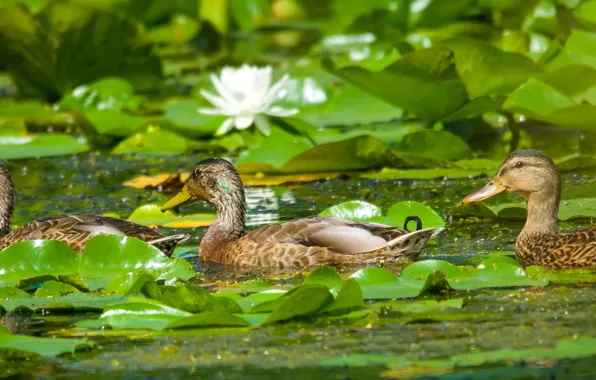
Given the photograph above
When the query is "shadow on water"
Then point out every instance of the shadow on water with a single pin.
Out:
(510, 318)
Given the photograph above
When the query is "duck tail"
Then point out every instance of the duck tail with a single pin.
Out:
(411, 244)
(167, 244)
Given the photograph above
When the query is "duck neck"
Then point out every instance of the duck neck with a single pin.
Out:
(6, 199)
(542, 214)
(229, 223)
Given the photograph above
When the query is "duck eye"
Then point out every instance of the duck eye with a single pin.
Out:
(197, 172)
(519, 164)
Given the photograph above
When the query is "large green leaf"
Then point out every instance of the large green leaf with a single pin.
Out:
(359, 211)
(349, 298)
(486, 70)
(140, 314)
(153, 141)
(301, 302)
(423, 82)
(36, 258)
(435, 144)
(69, 303)
(65, 45)
(105, 93)
(105, 258)
(40, 346)
(396, 215)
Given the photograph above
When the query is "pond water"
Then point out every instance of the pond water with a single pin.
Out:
(490, 319)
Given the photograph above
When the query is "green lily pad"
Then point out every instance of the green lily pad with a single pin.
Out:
(40, 346)
(324, 275)
(359, 211)
(303, 301)
(179, 30)
(153, 141)
(70, 302)
(209, 319)
(129, 283)
(349, 298)
(53, 289)
(486, 70)
(105, 258)
(562, 276)
(429, 73)
(435, 144)
(496, 273)
(105, 93)
(401, 210)
(184, 114)
(137, 315)
(31, 146)
(114, 122)
(192, 299)
(249, 303)
(151, 215)
(396, 215)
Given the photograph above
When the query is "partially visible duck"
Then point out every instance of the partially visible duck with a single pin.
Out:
(74, 230)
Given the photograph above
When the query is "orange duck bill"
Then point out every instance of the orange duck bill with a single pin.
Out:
(494, 187)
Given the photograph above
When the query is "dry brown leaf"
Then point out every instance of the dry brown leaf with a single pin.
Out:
(174, 182)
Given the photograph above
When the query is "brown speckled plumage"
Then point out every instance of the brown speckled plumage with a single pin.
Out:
(294, 244)
(533, 175)
(74, 230)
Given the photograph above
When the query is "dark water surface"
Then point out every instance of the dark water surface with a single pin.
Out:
(511, 318)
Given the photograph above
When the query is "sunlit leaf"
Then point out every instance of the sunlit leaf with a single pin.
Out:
(301, 302)
(151, 215)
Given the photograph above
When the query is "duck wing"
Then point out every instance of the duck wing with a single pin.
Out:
(339, 235)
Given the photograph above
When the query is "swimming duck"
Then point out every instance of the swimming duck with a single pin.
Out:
(534, 176)
(74, 230)
(299, 243)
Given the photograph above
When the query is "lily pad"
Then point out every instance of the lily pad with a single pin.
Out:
(153, 141)
(31, 146)
(105, 258)
(40, 346)
(209, 319)
(151, 215)
(429, 73)
(396, 215)
(435, 144)
(303, 301)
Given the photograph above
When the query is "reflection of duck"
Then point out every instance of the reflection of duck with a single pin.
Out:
(74, 230)
(295, 244)
(534, 176)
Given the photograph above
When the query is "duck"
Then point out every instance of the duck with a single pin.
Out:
(533, 175)
(295, 244)
(74, 230)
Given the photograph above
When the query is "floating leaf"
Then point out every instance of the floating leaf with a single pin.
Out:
(151, 215)
(324, 275)
(153, 141)
(40, 346)
(53, 289)
(17, 147)
(301, 302)
(359, 211)
(70, 302)
(429, 73)
(435, 144)
(486, 70)
(349, 298)
(137, 315)
(209, 319)
(105, 93)
(188, 298)
(400, 211)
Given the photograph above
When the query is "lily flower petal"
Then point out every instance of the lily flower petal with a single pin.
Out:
(263, 124)
(225, 127)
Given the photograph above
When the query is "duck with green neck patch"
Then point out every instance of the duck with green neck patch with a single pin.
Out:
(534, 176)
(296, 244)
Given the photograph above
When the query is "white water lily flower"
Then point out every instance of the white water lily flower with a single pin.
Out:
(246, 95)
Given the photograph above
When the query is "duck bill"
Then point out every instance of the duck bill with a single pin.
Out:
(178, 200)
(494, 187)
